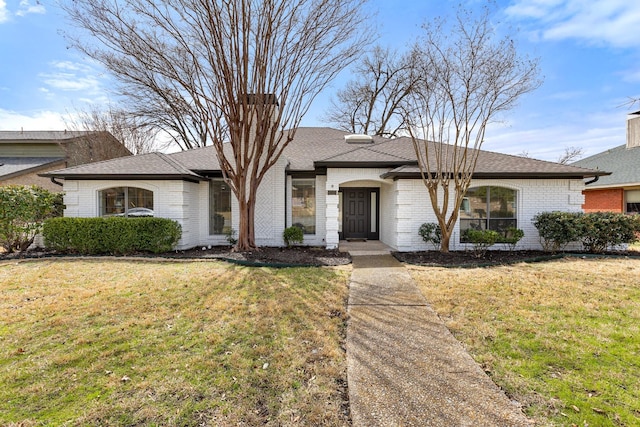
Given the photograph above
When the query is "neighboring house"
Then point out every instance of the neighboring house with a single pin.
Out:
(334, 185)
(25, 154)
(620, 191)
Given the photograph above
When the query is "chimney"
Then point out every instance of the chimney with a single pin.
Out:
(633, 130)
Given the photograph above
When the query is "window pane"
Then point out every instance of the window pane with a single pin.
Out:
(502, 202)
(374, 211)
(474, 204)
(303, 204)
(112, 201)
(139, 198)
(219, 207)
(126, 201)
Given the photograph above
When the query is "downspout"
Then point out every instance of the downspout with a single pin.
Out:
(53, 179)
(595, 179)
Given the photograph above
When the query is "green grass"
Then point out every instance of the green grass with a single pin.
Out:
(185, 343)
(562, 338)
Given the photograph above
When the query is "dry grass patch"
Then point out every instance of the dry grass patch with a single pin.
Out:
(185, 343)
(561, 337)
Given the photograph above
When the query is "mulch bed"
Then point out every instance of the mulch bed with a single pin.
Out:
(469, 258)
(314, 256)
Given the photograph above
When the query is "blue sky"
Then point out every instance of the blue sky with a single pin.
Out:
(589, 53)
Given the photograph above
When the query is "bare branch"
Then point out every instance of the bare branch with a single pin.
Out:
(570, 155)
(210, 71)
(467, 79)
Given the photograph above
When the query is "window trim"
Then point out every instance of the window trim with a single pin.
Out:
(488, 219)
(125, 213)
(315, 200)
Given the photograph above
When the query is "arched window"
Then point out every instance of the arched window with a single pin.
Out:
(126, 201)
(488, 208)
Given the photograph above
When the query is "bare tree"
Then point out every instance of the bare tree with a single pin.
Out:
(470, 77)
(125, 127)
(570, 155)
(370, 103)
(238, 71)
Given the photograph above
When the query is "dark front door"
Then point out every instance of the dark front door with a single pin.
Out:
(357, 209)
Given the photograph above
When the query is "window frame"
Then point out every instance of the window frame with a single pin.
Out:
(125, 201)
(489, 221)
(299, 220)
(213, 202)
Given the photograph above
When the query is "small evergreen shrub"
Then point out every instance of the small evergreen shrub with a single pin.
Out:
(431, 233)
(293, 234)
(511, 237)
(558, 229)
(602, 230)
(23, 209)
(481, 240)
(113, 235)
(231, 236)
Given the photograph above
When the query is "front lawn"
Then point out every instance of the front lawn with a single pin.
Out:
(178, 343)
(561, 337)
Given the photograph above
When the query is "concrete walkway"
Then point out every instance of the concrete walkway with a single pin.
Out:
(404, 367)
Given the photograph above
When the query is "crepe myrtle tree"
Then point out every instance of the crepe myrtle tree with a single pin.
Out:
(212, 72)
(468, 77)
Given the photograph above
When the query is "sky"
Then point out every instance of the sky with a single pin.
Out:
(589, 53)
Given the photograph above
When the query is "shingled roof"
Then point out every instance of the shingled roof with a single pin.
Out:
(13, 166)
(314, 149)
(623, 162)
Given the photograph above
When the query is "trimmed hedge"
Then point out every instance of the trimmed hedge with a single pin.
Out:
(597, 231)
(112, 235)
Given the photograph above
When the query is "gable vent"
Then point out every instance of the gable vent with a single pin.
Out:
(358, 139)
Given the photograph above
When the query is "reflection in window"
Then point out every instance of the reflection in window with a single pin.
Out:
(632, 201)
(126, 201)
(303, 204)
(488, 208)
(219, 207)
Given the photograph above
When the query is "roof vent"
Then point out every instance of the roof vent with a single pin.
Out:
(358, 139)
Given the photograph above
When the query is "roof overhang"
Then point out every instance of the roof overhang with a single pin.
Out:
(503, 175)
(128, 177)
(60, 161)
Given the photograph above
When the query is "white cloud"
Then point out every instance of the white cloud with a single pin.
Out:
(612, 22)
(70, 76)
(605, 130)
(4, 13)
(39, 120)
(27, 8)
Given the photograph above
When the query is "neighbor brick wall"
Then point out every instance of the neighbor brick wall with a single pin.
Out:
(605, 200)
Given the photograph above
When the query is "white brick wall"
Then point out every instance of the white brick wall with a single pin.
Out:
(404, 206)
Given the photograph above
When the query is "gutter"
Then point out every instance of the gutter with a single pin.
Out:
(595, 179)
(53, 179)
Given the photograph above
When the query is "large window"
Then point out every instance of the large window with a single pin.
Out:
(488, 208)
(303, 204)
(632, 201)
(219, 207)
(126, 201)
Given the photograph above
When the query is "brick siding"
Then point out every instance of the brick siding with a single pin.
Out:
(605, 200)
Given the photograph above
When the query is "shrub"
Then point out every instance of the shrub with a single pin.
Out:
(511, 237)
(293, 234)
(113, 235)
(558, 229)
(601, 230)
(481, 240)
(22, 212)
(230, 235)
(431, 233)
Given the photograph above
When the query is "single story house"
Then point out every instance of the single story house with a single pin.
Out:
(25, 154)
(332, 184)
(620, 191)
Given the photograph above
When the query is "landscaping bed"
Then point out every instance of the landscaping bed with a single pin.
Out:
(470, 259)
